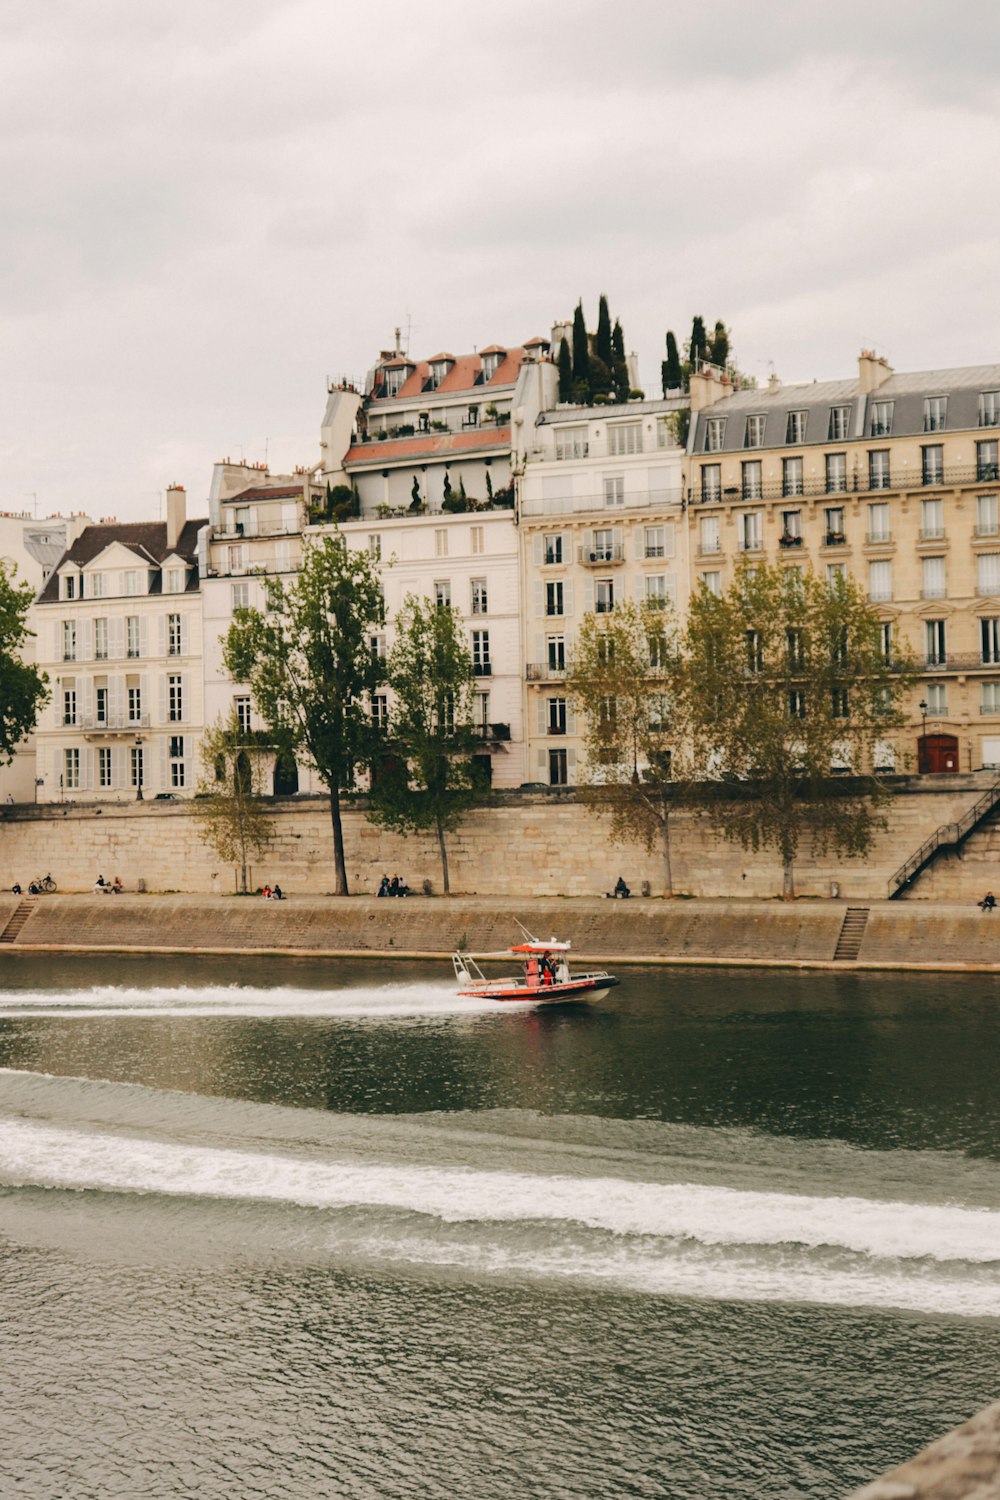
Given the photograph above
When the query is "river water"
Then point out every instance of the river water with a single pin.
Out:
(289, 1229)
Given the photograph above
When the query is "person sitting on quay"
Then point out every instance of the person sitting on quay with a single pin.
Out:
(383, 889)
(277, 894)
(101, 886)
(15, 889)
(116, 887)
(988, 902)
(402, 889)
(621, 891)
(266, 893)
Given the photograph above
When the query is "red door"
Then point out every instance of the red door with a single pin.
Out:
(937, 754)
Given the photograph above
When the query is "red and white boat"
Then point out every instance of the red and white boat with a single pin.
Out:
(545, 978)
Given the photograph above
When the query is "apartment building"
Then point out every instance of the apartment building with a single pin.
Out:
(120, 635)
(892, 478)
(601, 517)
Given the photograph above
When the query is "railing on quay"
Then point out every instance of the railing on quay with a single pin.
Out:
(949, 835)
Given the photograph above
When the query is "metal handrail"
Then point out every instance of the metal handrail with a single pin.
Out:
(949, 834)
(853, 484)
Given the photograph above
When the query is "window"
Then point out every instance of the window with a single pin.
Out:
(101, 639)
(376, 645)
(793, 650)
(104, 766)
(835, 574)
(986, 462)
(608, 711)
(656, 645)
(69, 705)
(604, 595)
(885, 640)
(791, 476)
(755, 652)
(441, 542)
(374, 545)
(555, 646)
(175, 699)
(242, 706)
(554, 598)
(614, 490)
(989, 638)
(795, 427)
(796, 704)
(839, 704)
(931, 520)
(174, 638)
(753, 436)
(752, 488)
(988, 574)
(933, 583)
(934, 643)
(878, 468)
(658, 705)
(477, 537)
(654, 541)
(480, 597)
(71, 770)
(624, 437)
(715, 434)
(176, 757)
(602, 545)
(174, 581)
(481, 713)
(932, 463)
(711, 483)
(656, 591)
(132, 581)
(571, 442)
(97, 585)
(239, 596)
(712, 583)
(986, 515)
(69, 640)
(135, 765)
(481, 653)
(990, 700)
(380, 712)
(442, 593)
(69, 586)
(840, 422)
(881, 418)
(878, 522)
(237, 558)
(555, 715)
(989, 409)
(791, 528)
(708, 535)
(835, 533)
(937, 697)
(880, 581)
(101, 695)
(935, 413)
(552, 548)
(132, 636)
(606, 650)
(134, 692)
(666, 432)
(558, 770)
(836, 473)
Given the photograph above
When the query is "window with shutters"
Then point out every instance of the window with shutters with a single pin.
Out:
(240, 596)
(655, 596)
(132, 577)
(101, 640)
(480, 597)
(98, 585)
(69, 640)
(558, 768)
(989, 639)
(71, 770)
(654, 541)
(174, 647)
(555, 649)
(135, 765)
(624, 437)
(604, 595)
(555, 715)
(103, 766)
(836, 473)
(101, 703)
(477, 537)
(442, 593)
(175, 699)
(176, 757)
(933, 583)
(988, 574)
(134, 696)
(552, 548)
(614, 490)
(709, 535)
(554, 598)
(174, 581)
(132, 636)
(243, 712)
(935, 642)
(69, 704)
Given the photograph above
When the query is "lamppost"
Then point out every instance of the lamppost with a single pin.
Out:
(138, 768)
(922, 705)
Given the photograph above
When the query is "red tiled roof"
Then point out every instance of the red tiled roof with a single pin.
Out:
(427, 445)
(436, 358)
(493, 349)
(261, 492)
(533, 343)
(461, 376)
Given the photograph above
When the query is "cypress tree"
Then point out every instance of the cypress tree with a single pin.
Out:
(581, 347)
(565, 367)
(673, 377)
(719, 351)
(699, 342)
(619, 363)
(602, 341)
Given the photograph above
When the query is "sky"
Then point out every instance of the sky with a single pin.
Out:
(210, 209)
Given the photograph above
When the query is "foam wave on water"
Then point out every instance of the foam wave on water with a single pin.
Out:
(375, 1002)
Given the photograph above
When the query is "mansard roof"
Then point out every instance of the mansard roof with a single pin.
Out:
(146, 539)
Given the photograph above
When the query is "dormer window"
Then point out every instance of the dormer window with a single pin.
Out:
(69, 585)
(491, 363)
(394, 377)
(439, 369)
(173, 582)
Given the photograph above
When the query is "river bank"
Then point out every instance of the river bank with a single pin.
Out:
(806, 934)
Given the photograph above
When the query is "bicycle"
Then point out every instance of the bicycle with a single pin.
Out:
(43, 886)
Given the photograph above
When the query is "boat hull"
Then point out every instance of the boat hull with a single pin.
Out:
(551, 994)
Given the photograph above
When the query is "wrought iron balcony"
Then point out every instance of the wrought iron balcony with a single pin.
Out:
(599, 557)
(855, 484)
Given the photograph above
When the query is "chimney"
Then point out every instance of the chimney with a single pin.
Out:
(176, 514)
(773, 383)
(872, 371)
(708, 386)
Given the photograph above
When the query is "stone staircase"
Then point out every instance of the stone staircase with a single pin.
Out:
(21, 913)
(851, 934)
(949, 837)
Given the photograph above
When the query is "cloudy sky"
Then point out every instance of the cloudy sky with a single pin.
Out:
(209, 208)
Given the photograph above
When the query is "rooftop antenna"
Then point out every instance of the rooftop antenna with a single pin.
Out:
(399, 351)
(409, 329)
(266, 442)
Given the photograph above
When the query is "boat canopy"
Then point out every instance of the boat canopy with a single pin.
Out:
(536, 947)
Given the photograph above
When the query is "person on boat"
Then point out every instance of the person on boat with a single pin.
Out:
(621, 889)
(546, 972)
(383, 889)
(988, 902)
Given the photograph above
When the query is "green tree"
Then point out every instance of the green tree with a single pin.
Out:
(622, 678)
(672, 377)
(229, 809)
(564, 365)
(581, 351)
(311, 669)
(427, 779)
(23, 689)
(619, 363)
(698, 346)
(718, 352)
(602, 339)
(415, 498)
(785, 679)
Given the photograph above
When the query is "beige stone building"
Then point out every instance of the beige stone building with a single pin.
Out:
(893, 479)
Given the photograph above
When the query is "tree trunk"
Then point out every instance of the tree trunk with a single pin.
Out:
(444, 858)
(339, 867)
(668, 877)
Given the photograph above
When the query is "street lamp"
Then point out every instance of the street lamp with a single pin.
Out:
(922, 705)
(138, 768)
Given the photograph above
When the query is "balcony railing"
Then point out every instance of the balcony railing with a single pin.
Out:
(113, 724)
(599, 556)
(574, 505)
(540, 671)
(860, 483)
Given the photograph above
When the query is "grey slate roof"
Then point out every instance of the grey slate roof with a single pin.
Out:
(147, 539)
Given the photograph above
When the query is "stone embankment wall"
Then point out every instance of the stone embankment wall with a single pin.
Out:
(962, 1465)
(899, 934)
(526, 845)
